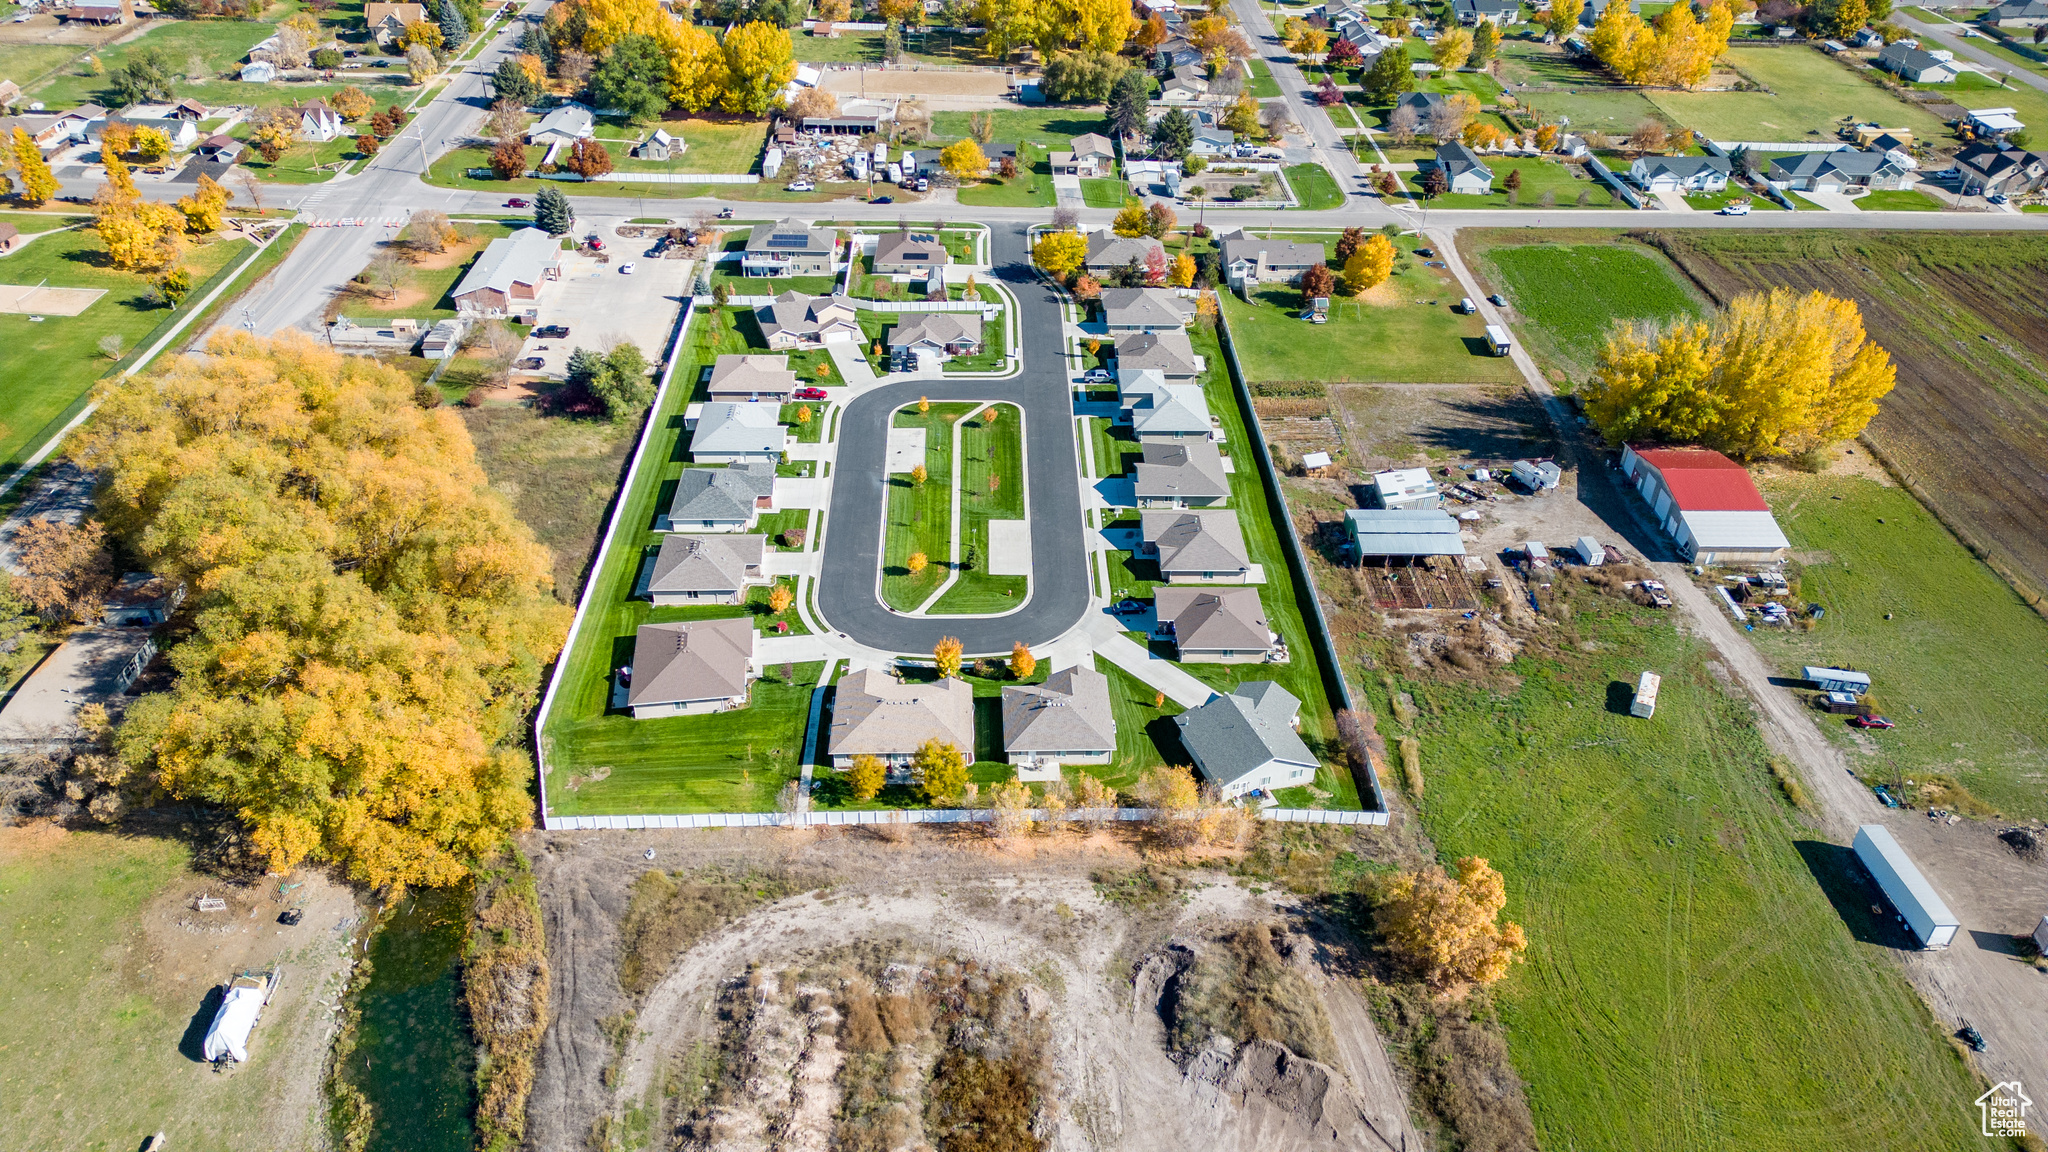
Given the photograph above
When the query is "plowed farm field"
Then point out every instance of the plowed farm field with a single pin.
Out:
(1966, 321)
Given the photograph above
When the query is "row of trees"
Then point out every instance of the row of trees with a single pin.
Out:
(1773, 373)
(646, 60)
(1677, 51)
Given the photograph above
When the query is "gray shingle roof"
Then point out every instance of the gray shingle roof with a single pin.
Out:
(752, 374)
(721, 493)
(1240, 245)
(791, 237)
(1108, 250)
(1236, 733)
(524, 257)
(1850, 162)
(938, 327)
(1182, 470)
(727, 428)
(1161, 409)
(1456, 158)
(911, 248)
(1685, 167)
(1070, 712)
(802, 315)
(1214, 618)
(1170, 352)
(707, 563)
(1195, 541)
(693, 660)
(874, 713)
(1153, 307)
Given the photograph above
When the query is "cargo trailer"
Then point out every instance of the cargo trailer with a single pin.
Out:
(1645, 703)
(1919, 906)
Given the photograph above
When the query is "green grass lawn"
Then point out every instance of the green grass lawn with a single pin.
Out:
(988, 449)
(45, 366)
(994, 354)
(1567, 296)
(1030, 188)
(732, 761)
(1899, 200)
(1145, 735)
(1584, 95)
(1478, 84)
(299, 163)
(1807, 94)
(29, 64)
(1314, 187)
(1103, 192)
(424, 294)
(2029, 104)
(1538, 177)
(1398, 335)
(1960, 665)
(452, 171)
(1262, 86)
(1715, 201)
(220, 45)
(847, 48)
(921, 515)
(1999, 48)
(1683, 947)
(35, 223)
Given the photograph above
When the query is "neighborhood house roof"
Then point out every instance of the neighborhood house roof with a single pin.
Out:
(1170, 352)
(736, 428)
(1195, 541)
(1230, 619)
(1183, 469)
(1239, 245)
(706, 563)
(374, 12)
(911, 248)
(572, 120)
(1235, 734)
(1486, 8)
(693, 660)
(1993, 162)
(1701, 480)
(1423, 102)
(874, 713)
(802, 315)
(720, 494)
(941, 328)
(1149, 307)
(524, 257)
(1456, 159)
(1160, 409)
(1904, 58)
(2020, 9)
(742, 373)
(1852, 163)
(1108, 249)
(1404, 532)
(1686, 167)
(1996, 120)
(792, 237)
(1093, 144)
(1070, 712)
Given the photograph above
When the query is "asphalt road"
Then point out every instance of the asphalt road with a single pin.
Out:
(848, 595)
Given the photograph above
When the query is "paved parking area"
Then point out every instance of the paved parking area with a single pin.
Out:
(603, 306)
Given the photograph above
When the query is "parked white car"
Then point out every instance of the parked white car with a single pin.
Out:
(800, 186)
(1741, 209)
(626, 269)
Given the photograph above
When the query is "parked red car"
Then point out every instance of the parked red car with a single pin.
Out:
(1877, 722)
(516, 202)
(809, 393)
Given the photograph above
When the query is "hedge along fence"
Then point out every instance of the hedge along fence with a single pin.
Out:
(1297, 569)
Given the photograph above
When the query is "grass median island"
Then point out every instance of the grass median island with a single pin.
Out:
(46, 365)
(920, 517)
(1958, 665)
(1567, 296)
(990, 450)
(725, 762)
(1682, 946)
(1403, 331)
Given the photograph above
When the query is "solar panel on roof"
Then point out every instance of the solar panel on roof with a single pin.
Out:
(787, 240)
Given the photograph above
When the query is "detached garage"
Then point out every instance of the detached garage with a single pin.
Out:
(1707, 504)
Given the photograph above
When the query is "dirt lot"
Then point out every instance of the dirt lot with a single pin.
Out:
(941, 91)
(1098, 975)
(1964, 320)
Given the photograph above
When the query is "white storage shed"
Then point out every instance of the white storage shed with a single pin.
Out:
(1919, 905)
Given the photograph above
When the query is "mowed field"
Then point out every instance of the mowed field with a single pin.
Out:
(1805, 94)
(1967, 325)
(1682, 949)
(1567, 294)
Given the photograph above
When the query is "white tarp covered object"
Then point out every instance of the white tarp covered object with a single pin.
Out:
(228, 1035)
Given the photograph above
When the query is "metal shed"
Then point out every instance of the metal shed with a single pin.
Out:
(1837, 679)
(1923, 910)
(1378, 533)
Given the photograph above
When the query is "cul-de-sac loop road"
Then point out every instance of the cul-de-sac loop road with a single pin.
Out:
(848, 596)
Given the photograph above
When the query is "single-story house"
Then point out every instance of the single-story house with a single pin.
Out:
(1185, 473)
(386, 22)
(1211, 141)
(875, 714)
(1195, 547)
(1680, 173)
(910, 254)
(1249, 259)
(1175, 52)
(1993, 123)
(1833, 171)
(1127, 310)
(1405, 488)
(80, 123)
(1157, 410)
(1706, 503)
(720, 499)
(1590, 14)
(2018, 14)
(1066, 720)
(1468, 175)
(1424, 104)
(659, 146)
(747, 379)
(565, 125)
(690, 668)
(1501, 12)
(1214, 625)
(97, 14)
(1109, 253)
(739, 434)
(1402, 533)
(509, 274)
(1245, 740)
(1169, 353)
(1998, 169)
(789, 248)
(794, 320)
(706, 569)
(1091, 154)
(318, 122)
(927, 339)
(42, 128)
(220, 148)
(180, 129)
(1917, 64)
(1187, 85)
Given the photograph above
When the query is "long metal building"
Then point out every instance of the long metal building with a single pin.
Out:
(1923, 909)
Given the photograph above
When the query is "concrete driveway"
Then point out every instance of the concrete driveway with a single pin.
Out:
(602, 306)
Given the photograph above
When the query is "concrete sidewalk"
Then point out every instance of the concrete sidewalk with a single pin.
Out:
(1110, 643)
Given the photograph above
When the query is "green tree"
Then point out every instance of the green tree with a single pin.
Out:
(1173, 134)
(584, 367)
(941, 769)
(1128, 102)
(1485, 43)
(1388, 77)
(623, 384)
(454, 29)
(146, 77)
(511, 82)
(632, 77)
(551, 212)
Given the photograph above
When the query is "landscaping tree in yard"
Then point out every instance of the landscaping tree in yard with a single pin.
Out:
(942, 771)
(1447, 120)
(1173, 134)
(812, 102)
(1385, 183)
(780, 598)
(1452, 49)
(1348, 243)
(551, 212)
(351, 103)
(1434, 183)
(152, 144)
(454, 29)
(1128, 103)
(1317, 283)
(1403, 125)
(1563, 18)
(924, 408)
(66, 570)
(1514, 181)
(1343, 54)
(1172, 794)
(1155, 267)
(946, 656)
(633, 77)
(1485, 44)
(1022, 662)
(1159, 220)
(1370, 265)
(866, 776)
(421, 34)
(512, 82)
(1183, 274)
(508, 160)
(1059, 254)
(1449, 927)
(916, 563)
(1649, 136)
(918, 476)
(964, 160)
(1087, 288)
(623, 386)
(420, 62)
(1310, 42)
(349, 685)
(759, 62)
(1388, 77)
(588, 159)
(1773, 373)
(1009, 803)
(1130, 219)
(145, 78)
(803, 414)
(1327, 94)
(205, 207)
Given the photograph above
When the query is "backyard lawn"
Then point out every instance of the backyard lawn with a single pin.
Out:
(1561, 181)
(1806, 96)
(1404, 331)
(1959, 666)
(921, 515)
(990, 451)
(1566, 296)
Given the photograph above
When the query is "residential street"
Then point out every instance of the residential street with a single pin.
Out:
(1326, 145)
(1968, 50)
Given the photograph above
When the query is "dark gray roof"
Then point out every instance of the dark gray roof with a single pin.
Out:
(695, 660)
(1240, 245)
(1423, 102)
(1214, 618)
(1994, 161)
(721, 493)
(1235, 734)
(1182, 469)
(1195, 541)
(791, 237)
(1901, 58)
(1847, 161)
(1487, 7)
(1070, 712)
(706, 563)
(911, 248)
(937, 327)
(1108, 249)
(1455, 158)
(1686, 167)
(803, 315)
(1170, 352)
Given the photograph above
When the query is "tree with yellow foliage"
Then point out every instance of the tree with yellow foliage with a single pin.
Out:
(117, 138)
(367, 612)
(152, 144)
(1613, 40)
(963, 160)
(203, 209)
(423, 33)
(1103, 25)
(1183, 274)
(866, 776)
(1022, 662)
(119, 181)
(1774, 373)
(1172, 794)
(1131, 220)
(604, 23)
(1060, 254)
(1369, 266)
(917, 562)
(1310, 42)
(1452, 49)
(38, 183)
(1563, 18)
(1683, 58)
(946, 656)
(780, 598)
(1006, 25)
(1449, 927)
(941, 770)
(696, 68)
(352, 103)
(1719, 24)
(759, 61)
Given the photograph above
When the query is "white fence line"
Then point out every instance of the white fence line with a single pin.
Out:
(1802, 146)
(914, 816)
(988, 311)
